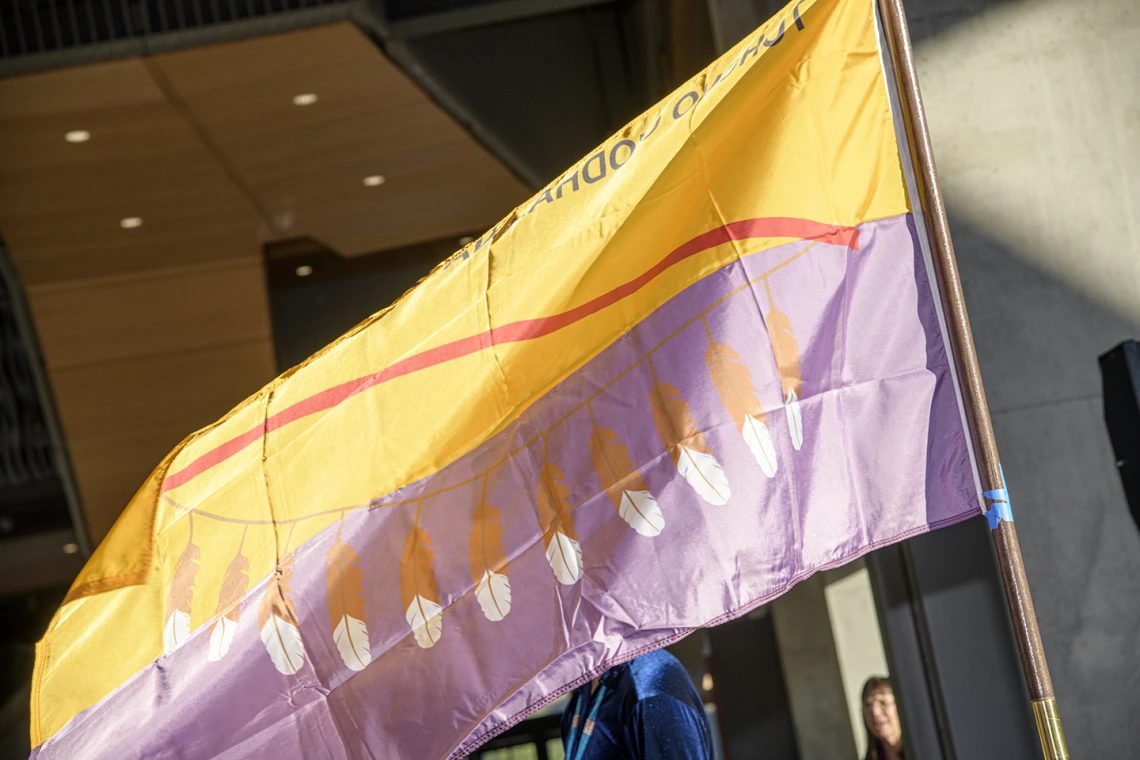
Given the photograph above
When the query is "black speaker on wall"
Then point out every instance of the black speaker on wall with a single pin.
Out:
(1120, 375)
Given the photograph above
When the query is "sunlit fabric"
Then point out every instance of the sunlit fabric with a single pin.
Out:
(704, 363)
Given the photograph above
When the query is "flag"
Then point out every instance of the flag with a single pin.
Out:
(703, 363)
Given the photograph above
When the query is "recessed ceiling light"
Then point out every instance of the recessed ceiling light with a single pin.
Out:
(304, 270)
(466, 240)
(130, 222)
(70, 548)
(77, 136)
(707, 682)
(374, 180)
(305, 99)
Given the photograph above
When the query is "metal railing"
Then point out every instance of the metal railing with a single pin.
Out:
(34, 28)
(37, 489)
(26, 454)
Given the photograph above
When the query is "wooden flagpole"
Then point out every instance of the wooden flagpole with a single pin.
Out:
(1004, 535)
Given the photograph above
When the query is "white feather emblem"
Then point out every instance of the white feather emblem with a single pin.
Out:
(704, 474)
(180, 596)
(494, 594)
(282, 640)
(565, 557)
(786, 351)
(345, 582)
(176, 631)
(557, 522)
(351, 637)
(759, 441)
(623, 483)
(640, 510)
(733, 382)
(234, 584)
(795, 419)
(418, 589)
(489, 561)
(277, 620)
(221, 636)
(686, 444)
(425, 618)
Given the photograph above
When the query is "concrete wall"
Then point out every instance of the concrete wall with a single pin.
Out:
(1034, 109)
(858, 640)
(812, 674)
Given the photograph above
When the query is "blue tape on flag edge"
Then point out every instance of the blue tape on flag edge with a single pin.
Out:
(1001, 509)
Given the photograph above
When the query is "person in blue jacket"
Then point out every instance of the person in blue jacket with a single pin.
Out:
(645, 709)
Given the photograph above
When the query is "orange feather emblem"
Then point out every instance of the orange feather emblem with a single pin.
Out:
(234, 585)
(733, 383)
(787, 353)
(178, 600)
(563, 551)
(277, 620)
(418, 589)
(623, 483)
(345, 582)
(489, 563)
(686, 444)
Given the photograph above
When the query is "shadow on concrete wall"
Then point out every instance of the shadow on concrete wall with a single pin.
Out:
(1038, 341)
(931, 18)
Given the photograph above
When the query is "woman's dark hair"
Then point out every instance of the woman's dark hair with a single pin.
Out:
(875, 749)
(876, 683)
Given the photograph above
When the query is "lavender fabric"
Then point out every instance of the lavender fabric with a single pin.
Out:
(884, 456)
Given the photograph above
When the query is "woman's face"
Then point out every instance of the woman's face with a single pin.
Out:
(881, 716)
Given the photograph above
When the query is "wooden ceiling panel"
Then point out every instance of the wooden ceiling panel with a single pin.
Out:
(181, 391)
(61, 203)
(352, 222)
(306, 165)
(244, 90)
(89, 322)
(102, 257)
(117, 101)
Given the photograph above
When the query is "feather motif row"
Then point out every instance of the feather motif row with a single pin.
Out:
(619, 477)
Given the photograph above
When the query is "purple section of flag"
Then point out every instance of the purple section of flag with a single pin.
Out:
(884, 456)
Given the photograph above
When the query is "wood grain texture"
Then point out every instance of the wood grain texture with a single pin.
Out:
(159, 311)
(60, 204)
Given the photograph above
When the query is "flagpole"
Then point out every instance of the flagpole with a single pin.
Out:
(1026, 631)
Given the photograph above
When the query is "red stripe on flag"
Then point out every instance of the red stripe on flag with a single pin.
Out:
(527, 329)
